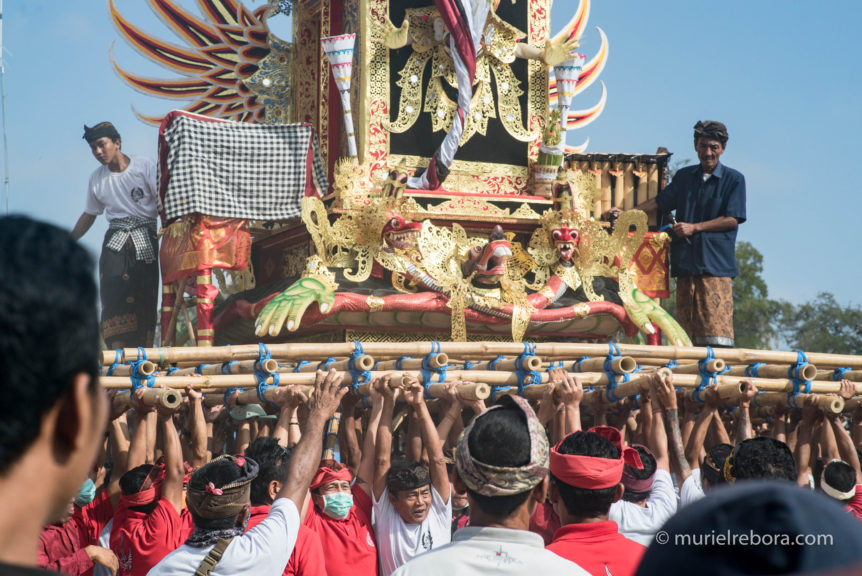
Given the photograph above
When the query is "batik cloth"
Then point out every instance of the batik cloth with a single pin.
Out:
(704, 308)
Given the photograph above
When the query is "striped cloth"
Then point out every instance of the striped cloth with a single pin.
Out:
(235, 169)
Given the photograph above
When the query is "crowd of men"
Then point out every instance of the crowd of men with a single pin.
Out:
(444, 487)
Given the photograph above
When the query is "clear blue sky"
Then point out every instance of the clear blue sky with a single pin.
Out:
(784, 76)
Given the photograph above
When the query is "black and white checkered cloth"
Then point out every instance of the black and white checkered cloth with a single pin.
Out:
(235, 169)
(139, 230)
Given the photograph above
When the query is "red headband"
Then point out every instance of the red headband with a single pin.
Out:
(633, 484)
(151, 488)
(591, 472)
(326, 474)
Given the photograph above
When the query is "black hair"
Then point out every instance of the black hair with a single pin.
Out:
(649, 467)
(839, 475)
(763, 457)
(406, 475)
(717, 455)
(132, 481)
(49, 326)
(583, 502)
(273, 460)
(500, 438)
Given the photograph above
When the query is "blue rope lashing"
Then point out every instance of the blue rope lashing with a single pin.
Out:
(613, 354)
(752, 369)
(799, 385)
(262, 386)
(427, 370)
(171, 370)
(754, 401)
(838, 374)
(399, 364)
(526, 377)
(494, 390)
(324, 366)
(228, 392)
(554, 365)
(118, 353)
(299, 365)
(199, 369)
(706, 377)
(469, 365)
(492, 364)
(671, 364)
(576, 366)
(227, 367)
(135, 375)
(357, 376)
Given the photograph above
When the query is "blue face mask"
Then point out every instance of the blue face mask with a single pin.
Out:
(86, 493)
(337, 505)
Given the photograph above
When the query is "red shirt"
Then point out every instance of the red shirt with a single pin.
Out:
(141, 540)
(61, 547)
(854, 505)
(598, 548)
(350, 546)
(307, 557)
(545, 522)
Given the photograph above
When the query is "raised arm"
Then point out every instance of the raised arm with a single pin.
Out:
(306, 456)
(804, 441)
(287, 430)
(666, 398)
(197, 427)
(571, 392)
(365, 474)
(743, 422)
(433, 444)
(846, 449)
(172, 489)
(383, 448)
(708, 412)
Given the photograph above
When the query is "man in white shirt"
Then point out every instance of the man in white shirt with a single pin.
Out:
(412, 505)
(219, 501)
(124, 189)
(502, 463)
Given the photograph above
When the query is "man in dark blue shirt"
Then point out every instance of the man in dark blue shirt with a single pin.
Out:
(709, 200)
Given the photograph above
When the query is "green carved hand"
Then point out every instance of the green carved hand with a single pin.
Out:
(291, 304)
(644, 311)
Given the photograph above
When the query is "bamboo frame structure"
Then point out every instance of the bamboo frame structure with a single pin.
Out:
(155, 397)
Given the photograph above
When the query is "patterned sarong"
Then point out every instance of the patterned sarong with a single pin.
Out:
(704, 308)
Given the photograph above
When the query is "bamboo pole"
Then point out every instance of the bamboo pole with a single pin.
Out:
(852, 375)
(620, 365)
(269, 366)
(155, 397)
(852, 404)
(468, 391)
(363, 362)
(622, 389)
(643, 354)
(808, 372)
(834, 404)
(436, 361)
(269, 394)
(331, 436)
(716, 365)
(531, 363)
(145, 368)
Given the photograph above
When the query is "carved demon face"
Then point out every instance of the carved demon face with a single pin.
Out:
(399, 233)
(489, 261)
(566, 242)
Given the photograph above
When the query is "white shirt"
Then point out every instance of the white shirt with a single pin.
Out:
(131, 192)
(639, 523)
(692, 489)
(262, 551)
(480, 551)
(104, 542)
(398, 542)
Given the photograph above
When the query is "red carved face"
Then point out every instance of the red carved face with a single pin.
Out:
(566, 241)
(400, 233)
(489, 261)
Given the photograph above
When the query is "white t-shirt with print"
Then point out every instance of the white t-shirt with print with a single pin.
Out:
(131, 192)
(398, 541)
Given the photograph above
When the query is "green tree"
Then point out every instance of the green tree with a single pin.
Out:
(822, 325)
(755, 316)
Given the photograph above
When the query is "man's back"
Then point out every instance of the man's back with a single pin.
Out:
(484, 551)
